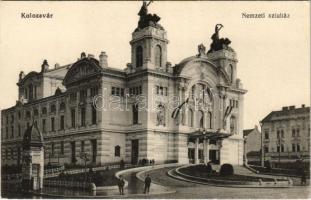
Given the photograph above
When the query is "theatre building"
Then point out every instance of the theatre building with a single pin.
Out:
(188, 112)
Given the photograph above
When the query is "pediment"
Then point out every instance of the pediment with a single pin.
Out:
(81, 70)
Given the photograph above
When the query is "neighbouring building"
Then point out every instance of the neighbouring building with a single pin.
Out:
(90, 108)
(286, 135)
(252, 145)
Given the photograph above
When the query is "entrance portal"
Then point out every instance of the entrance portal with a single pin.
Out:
(135, 148)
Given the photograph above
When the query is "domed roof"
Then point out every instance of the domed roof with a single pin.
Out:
(32, 137)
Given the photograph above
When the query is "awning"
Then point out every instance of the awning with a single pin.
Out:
(210, 134)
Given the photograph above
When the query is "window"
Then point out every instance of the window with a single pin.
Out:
(282, 147)
(158, 56)
(293, 147)
(73, 118)
(83, 116)
(52, 148)
(52, 124)
(201, 118)
(278, 148)
(62, 122)
(28, 115)
(62, 106)
(94, 91)
(35, 112)
(62, 147)
(278, 134)
(19, 130)
(293, 133)
(83, 95)
(230, 72)
(12, 153)
(209, 120)
(266, 149)
(232, 124)
(298, 147)
(117, 91)
(19, 114)
(162, 90)
(12, 131)
(12, 119)
(82, 146)
(135, 113)
(43, 125)
(117, 151)
(6, 133)
(282, 133)
(94, 115)
(297, 132)
(44, 111)
(139, 56)
(53, 108)
(190, 118)
(73, 96)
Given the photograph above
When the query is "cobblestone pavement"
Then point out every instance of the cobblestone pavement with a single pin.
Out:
(191, 190)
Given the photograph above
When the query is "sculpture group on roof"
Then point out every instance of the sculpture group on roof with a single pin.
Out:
(147, 19)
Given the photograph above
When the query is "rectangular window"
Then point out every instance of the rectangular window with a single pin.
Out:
(83, 95)
(161, 90)
(278, 148)
(82, 146)
(62, 122)
(122, 92)
(266, 134)
(293, 133)
(19, 130)
(140, 90)
(278, 134)
(165, 91)
(298, 147)
(94, 115)
(52, 124)
(158, 89)
(113, 91)
(135, 114)
(82, 116)
(266, 149)
(73, 118)
(73, 96)
(282, 133)
(43, 125)
(117, 91)
(12, 131)
(297, 132)
(94, 91)
(282, 147)
(52, 147)
(293, 147)
(62, 147)
(6, 133)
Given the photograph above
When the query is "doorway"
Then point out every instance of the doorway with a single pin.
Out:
(214, 156)
(135, 148)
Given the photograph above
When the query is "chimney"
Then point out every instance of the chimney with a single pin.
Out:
(284, 108)
(291, 107)
(103, 62)
(83, 55)
(21, 75)
(44, 66)
(303, 105)
(57, 65)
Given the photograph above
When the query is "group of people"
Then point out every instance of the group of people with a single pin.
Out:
(121, 184)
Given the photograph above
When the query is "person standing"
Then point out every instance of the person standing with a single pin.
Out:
(147, 184)
(121, 185)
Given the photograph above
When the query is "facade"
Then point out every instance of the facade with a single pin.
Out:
(88, 107)
(252, 145)
(286, 135)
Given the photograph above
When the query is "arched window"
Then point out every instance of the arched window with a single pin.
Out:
(139, 56)
(117, 151)
(158, 56)
(232, 124)
(201, 119)
(190, 118)
(209, 120)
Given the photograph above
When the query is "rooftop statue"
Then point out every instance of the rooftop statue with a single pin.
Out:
(219, 43)
(146, 19)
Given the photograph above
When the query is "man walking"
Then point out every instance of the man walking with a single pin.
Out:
(121, 185)
(147, 184)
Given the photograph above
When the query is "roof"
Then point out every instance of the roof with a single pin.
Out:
(247, 131)
(286, 113)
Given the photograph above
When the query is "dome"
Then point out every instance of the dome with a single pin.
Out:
(32, 137)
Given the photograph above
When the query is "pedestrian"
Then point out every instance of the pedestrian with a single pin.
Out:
(147, 184)
(121, 185)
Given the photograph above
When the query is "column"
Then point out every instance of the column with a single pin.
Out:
(196, 151)
(204, 151)
(207, 150)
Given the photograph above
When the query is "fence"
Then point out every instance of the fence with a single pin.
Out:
(68, 184)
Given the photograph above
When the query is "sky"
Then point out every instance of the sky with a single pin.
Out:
(273, 54)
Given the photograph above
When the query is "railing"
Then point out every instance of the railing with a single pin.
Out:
(68, 184)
